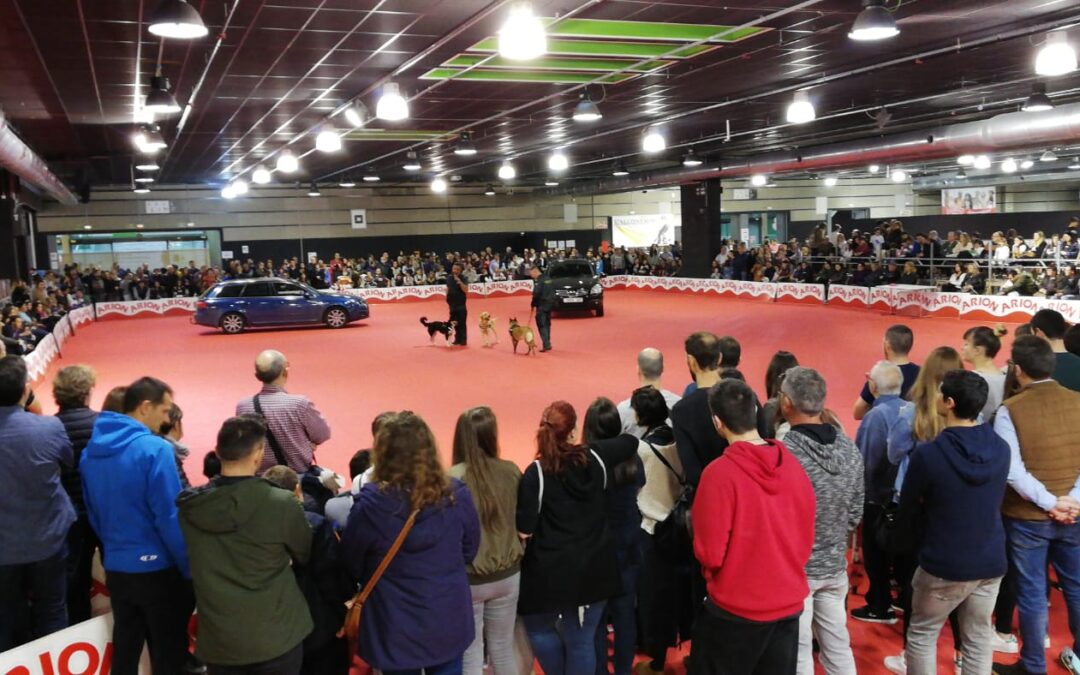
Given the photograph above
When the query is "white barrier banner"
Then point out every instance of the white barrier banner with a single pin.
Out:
(133, 307)
(82, 649)
(800, 291)
(850, 295)
(965, 304)
(739, 288)
(438, 290)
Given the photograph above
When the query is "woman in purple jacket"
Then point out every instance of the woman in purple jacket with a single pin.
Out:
(419, 617)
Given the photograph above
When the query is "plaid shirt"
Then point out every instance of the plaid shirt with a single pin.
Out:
(295, 423)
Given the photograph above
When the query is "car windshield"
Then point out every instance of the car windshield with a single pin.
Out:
(571, 269)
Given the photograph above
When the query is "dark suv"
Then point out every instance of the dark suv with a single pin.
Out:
(577, 286)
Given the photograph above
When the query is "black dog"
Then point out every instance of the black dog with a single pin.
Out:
(445, 327)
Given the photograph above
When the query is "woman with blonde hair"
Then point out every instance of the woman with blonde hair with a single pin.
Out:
(419, 614)
(919, 422)
(495, 573)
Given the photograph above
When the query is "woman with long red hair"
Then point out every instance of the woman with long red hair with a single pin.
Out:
(570, 567)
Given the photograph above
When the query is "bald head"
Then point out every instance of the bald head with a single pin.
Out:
(270, 366)
(886, 378)
(650, 363)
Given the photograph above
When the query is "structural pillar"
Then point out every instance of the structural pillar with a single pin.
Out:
(701, 234)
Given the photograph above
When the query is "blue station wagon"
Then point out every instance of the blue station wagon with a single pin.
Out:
(235, 305)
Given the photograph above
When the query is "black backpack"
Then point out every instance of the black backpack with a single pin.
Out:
(674, 535)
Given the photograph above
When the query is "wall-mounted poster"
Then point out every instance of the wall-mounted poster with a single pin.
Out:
(642, 231)
(969, 200)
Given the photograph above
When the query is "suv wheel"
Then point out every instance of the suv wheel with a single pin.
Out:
(232, 323)
(336, 317)
(600, 310)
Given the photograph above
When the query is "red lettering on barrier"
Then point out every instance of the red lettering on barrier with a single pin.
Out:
(93, 658)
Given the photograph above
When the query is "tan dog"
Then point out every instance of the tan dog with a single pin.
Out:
(487, 330)
(519, 333)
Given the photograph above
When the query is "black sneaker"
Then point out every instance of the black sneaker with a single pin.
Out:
(1011, 669)
(870, 615)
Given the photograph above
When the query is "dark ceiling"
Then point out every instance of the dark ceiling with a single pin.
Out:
(70, 71)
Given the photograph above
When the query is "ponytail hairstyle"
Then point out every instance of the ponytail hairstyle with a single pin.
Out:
(554, 449)
(476, 445)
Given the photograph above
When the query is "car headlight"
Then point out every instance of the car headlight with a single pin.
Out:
(597, 289)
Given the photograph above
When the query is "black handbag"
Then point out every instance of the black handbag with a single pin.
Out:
(674, 535)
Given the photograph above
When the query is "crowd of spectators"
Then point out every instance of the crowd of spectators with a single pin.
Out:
(589, 545)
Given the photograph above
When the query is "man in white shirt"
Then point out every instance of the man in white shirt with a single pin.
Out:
(650, 368)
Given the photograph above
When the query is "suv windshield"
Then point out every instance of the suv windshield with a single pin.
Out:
(564, 270)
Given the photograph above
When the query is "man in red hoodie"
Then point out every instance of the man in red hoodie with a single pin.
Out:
(753, 518)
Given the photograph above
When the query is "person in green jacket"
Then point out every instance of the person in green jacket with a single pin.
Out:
(243, 535)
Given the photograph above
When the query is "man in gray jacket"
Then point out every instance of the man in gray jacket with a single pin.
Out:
(835, 468)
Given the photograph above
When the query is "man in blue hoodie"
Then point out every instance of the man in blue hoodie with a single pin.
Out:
(130, 484)
(952, 495)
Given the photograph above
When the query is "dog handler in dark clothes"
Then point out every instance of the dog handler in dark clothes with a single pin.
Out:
(543, 300)
(456, 290)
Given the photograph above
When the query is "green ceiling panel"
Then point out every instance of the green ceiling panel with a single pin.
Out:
(550, 63)
(644, 30)
(365, 134)
(549, 76)
(608, 48)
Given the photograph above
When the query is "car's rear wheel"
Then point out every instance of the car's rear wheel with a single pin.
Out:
(232, 323)
(336, 317)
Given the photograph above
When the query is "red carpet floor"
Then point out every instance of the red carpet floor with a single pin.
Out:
(387, 363)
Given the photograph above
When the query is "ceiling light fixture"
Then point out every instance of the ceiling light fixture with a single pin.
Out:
(371, 177)
(328, 141)
(489, 190)
(346, 181)
(522, 36)
(586, 110)
(412, 161)
(874, 168)
(438, 185)
(159, 101)
(874, 22)
(465, 146)
(653, 141)
(690, 159)
(1056, 57)
(1026, 164)
(313, 191)
(287, 162)
(139, 190)
(1048, 156)
(831, 181)
(899, 176)
(1075, 163)
(965, 160)
(228, 192)
(558, 161)
(1008, 165)
(148, 139)
(1038, 101)
(178, 20)
(261, 175)
(144, 179)
(240, 187)
(551, 183)
(961, 174)
(620, 170)
(356, 114)
(981, 162)
(392, 106)
(507, 171)
(801, 110)
(147, 165)
(759, 180)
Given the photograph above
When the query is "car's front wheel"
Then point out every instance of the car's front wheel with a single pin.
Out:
(336, 317)
(600, 310)
(232, 323)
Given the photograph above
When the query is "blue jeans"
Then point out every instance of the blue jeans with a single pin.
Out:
(562, 643)
(623, 617)
(41, 586)
(1031, 544)
(448, 668)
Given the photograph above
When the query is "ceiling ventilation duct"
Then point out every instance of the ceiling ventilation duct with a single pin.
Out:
(19, 159)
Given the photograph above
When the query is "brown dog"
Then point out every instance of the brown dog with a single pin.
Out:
(519, 333)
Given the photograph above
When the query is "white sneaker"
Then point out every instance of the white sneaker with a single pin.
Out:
(1046, 642)
(896, 664)
(1006, 643)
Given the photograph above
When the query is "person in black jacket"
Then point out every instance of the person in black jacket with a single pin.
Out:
(456, 292)
(71, 391)
(543, 301)
(326, 585)
(570, 569)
